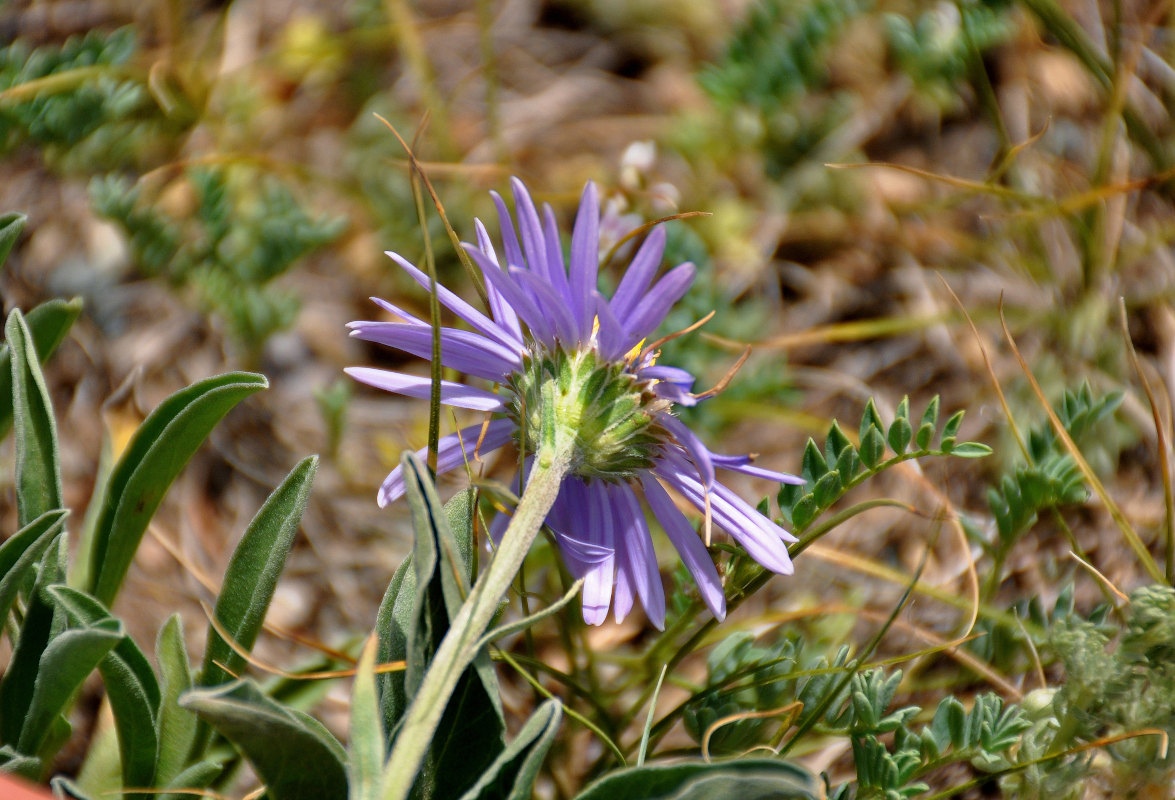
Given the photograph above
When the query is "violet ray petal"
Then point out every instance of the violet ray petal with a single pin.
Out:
(743, 464)
(530, 230)
(558, 273)
(477, 320)
(614, 340)
(585, 258)
(452, 394)
(719, 490)
(503, 314)
(698, 452)
(642, 557)
(399, 312)
(653, 307)
(519, 300)
(512, 252)
(640, 273)
(464, 351)
(674, 394)
(452, 451)
(760, 542)
(688, 545)
(622, 592)
(557, 311)
(597, 587)
(675, 375)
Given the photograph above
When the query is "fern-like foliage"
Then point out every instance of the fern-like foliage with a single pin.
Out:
(840, 465)
(936, 48)
(984, 736)
(1052, 478)
(745, 678)
(79, 105)
(771, 78)
(243, 233)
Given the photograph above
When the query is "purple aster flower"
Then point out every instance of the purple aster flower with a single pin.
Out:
(554, 348)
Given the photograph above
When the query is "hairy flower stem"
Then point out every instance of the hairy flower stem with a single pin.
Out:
(552, 463)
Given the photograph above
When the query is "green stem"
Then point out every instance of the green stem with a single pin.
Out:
(459, 647)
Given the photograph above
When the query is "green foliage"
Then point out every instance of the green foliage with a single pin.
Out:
(273, 737)
(984, 736)
(1051, 479)
(744, 778)
(425, 593)
(1107, 692)
(831, 471)
(153, 458)
(246, 230)
(938, 48)
(769, 79)
(79, 104)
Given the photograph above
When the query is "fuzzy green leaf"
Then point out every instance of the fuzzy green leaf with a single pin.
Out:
(38, 474)
(827, 489)
(744, 778)
(414, 617)
(41, 623)
(131, 687)
(513, 773)
(49, 323)
(253, 572)
(368, 747)
(196, 777)
(11, 225)
(836, 444)
(291, 752)
(67, 661)
(154, 457)
(177, 726)
(16, 763)
(20, 552)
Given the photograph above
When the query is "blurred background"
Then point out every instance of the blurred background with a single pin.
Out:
(212, 180)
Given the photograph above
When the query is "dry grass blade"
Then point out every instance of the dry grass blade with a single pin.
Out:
(855, 331)
(792, 710)
(950, 180)
(391, 666)
(1131, 536)
(995, 382)
(648, 226)
(1101, 577)
(1164, 457)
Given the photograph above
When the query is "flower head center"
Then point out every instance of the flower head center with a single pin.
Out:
(608, 410)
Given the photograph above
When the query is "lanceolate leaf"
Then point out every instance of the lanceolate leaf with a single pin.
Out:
(48, 323)
(513, 773)
(367, 737)
(11, 225)
(177, 726)
(744, 779)
(131, 687)
(154, 457)
(253, 572)
(416, 612)
(19, 554)
(66, 662)
(38, 475)
(41, 622)
(292, 753)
